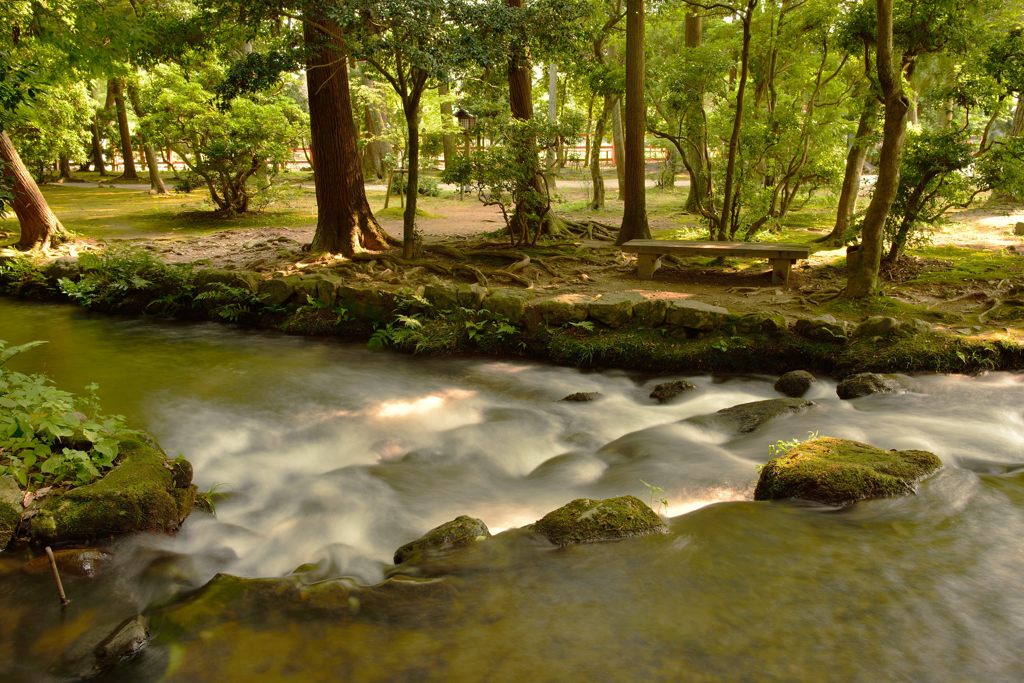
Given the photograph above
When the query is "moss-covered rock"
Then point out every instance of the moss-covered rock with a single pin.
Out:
(458, 533)
(747, 417)
(838, 472)
(867, 383)
(584, 397)
(794, 383)
(242, 279)
(10, 509)
(822, 328)
(145, 492)
(614, 309)
(695, 315)
(667, 391)
(555, 311)
(586, 520)
(507, 303)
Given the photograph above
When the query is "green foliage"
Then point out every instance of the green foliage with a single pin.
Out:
(934, 178)
(20, 273)
(233, 304)
(49, 436)
(658, 500)
(781, 447)
(55, 125)
(116, 275)
(1003, 168)
(230, 149)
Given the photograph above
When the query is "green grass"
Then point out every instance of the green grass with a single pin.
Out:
(969, 265)
(104, 213)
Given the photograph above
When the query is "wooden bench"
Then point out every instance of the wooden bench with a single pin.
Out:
(650, 253)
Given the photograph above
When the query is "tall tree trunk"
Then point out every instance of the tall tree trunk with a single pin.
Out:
(854, 169)
(411, 106)
(39, 226)
(725, 226)
(597, 201)
(97, 149)
(65, 168)
(863, 263)
(376, 150)
(1018, 117)
(530, 216)
(344, 223)
(696, 158)
(634, 216)
(126, 135)
(448, 142)
(551, 162)
(619, 147)
(156, 183)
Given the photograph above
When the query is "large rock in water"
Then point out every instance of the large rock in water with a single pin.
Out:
(460, 532)
(747, 417)
(145, 492)
(795, 383)
(666, 391)
(867, 383)
(838, 472)
(585, 520)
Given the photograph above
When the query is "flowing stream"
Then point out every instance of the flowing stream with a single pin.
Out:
(331, 455)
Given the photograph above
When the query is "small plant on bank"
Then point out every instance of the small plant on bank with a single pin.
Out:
(781, 447)
(49, 436)
(230, 303)
(20, 273)
(659, 503)
(111, 277)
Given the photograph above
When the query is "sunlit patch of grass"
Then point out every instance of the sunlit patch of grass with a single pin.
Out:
(969, 264)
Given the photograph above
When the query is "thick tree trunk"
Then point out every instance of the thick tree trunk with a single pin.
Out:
(64, 164)
(634, 216)
(39, 226)
(97, 149)
(156, 183)
(345, 223)
(529, 216)
(597, 201)
(126, 135)
(854, 169)
(862, 268)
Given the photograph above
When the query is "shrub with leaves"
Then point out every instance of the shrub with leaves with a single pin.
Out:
(112, 277)
(49, 436)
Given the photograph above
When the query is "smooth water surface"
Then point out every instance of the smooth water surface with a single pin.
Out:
(332, 455)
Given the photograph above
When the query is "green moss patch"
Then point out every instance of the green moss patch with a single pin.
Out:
(458, 533)
(139, 494)
(585, 520)
(838, 472)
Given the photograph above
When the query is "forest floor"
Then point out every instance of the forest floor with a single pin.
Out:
(968, 276)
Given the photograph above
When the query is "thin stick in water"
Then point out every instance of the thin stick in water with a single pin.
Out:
(56, 578)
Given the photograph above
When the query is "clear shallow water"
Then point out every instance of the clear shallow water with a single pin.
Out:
(335, 456)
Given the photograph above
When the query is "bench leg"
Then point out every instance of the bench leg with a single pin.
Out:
(646, 264)
(780, 271)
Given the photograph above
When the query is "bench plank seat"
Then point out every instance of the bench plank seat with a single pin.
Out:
(781, 256)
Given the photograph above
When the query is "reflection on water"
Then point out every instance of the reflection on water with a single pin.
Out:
(335, 456)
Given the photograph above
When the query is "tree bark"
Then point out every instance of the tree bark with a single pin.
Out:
(854, 169)
(634, 216)
(619, 146)
(345, 223)
(551, 162)
(597, 201)
(156, 183)
(126, 135)
(862, 270)
(725, 227)
(1018, 118)
(65, 168)
(411, 107)
(696, 157)
(448, 142)
(97, 149)
(40, 228)
(376, 151)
